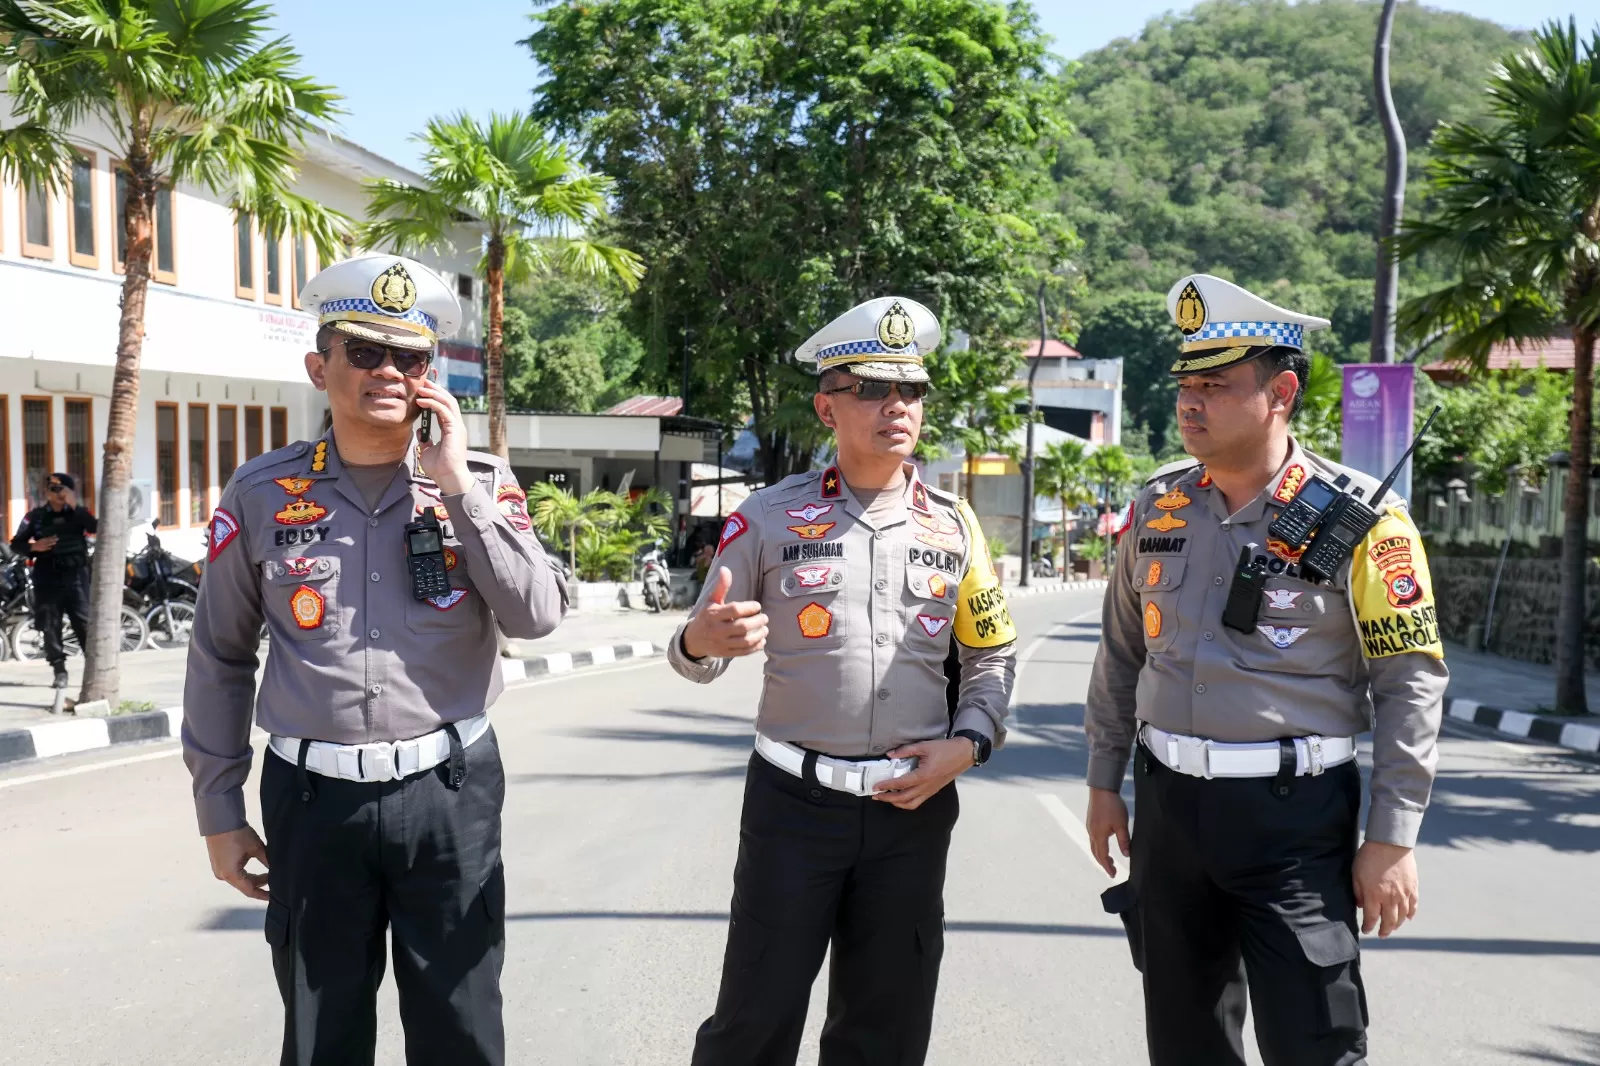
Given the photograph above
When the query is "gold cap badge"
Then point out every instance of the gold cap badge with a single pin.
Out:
(895, 328)
(394, 291)
(1191, 312)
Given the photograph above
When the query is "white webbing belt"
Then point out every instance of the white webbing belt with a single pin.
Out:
(1199, 757)
(841, 775)
(383, 760)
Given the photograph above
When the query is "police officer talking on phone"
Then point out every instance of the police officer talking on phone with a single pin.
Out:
(54, 535)
(854, 581)
(381, 564)
(1236, 675)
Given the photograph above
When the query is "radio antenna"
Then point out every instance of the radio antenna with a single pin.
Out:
(1388, 482)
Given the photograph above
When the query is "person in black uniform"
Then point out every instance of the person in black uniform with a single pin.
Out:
(55, 537)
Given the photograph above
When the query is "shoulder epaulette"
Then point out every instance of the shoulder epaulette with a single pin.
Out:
(268, 461)
(1177, 466)
(486, 459)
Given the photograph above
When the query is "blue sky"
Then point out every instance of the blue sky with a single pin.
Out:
(398, 62)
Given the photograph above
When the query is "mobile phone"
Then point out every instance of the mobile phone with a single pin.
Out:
(425, 431)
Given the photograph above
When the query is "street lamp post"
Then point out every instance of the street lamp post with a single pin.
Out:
(1027, 461)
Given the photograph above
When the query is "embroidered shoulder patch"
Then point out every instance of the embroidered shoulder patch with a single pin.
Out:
(735, 527)
(224, 527)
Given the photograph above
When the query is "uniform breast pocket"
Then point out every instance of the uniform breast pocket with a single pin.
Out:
(1301, 629)
(812, 595)
(302, 597)
(930, 603)
(1157, 580)
(450, 612)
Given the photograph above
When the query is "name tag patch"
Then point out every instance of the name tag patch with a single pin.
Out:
(284, 538)
(937, 560)
(828, 549)
(1161, 545)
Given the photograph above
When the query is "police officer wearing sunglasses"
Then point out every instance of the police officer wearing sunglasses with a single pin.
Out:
(54, 535)
(854, 582)
(381, 784)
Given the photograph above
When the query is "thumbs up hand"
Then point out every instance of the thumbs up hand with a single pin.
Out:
(725, 630)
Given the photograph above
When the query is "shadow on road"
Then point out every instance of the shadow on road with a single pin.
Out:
(1588, 1054)
(1549, 800)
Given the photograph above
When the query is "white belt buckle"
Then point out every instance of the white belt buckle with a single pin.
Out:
(380, 759)
(1314, 755)
(1194, 756)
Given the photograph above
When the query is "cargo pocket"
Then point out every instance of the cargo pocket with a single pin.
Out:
(303, 597)
(1332, 948)
(930, 601)
(492, 896)
(930, 952)
(276, 927)
(1123, 901)
(1156, 579)
(747, 945)
(815, 592)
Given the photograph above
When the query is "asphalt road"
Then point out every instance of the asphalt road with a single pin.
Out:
(116, 947)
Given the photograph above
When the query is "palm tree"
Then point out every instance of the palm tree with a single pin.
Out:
(181, 91)
(528, 193)
(1112, 470)
(1064, 474)
(1516, 213)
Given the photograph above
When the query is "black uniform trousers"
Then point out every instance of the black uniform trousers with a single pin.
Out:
(60, 594)
(418, 857)
(1245, 882)
(816, 867)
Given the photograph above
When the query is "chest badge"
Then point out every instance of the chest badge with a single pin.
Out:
(936, 523)
(307, 606)
(815, 621)
(932, 624)
(1283, 636)
(1152, 621)
(1281, 599)
(1152, 576)
(446, 600)
(937, 586)
(1283, 551)
(810, 512)
(449, 559)
(811, 577)
(1173, 501)
(300, 512)
(294, 486)
(1166, 523)
(299, 567)
(812, 530)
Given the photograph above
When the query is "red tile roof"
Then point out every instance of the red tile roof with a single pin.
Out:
(1555, 353)
(1053, 349)
(649, 406)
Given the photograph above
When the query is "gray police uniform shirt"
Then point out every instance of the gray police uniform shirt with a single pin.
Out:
(861, 616)
(1334, 659)
(354, 657)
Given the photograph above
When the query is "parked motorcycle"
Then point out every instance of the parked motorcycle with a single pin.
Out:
(16, 613)
(657, 580)
(163, 593)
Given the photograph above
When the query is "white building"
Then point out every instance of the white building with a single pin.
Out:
(222, 375)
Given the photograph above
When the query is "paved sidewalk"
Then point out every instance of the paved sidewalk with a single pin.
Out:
(1506, 695)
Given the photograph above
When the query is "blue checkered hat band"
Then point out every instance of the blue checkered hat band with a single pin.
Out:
(1286, 333)
(836, 353)
(365, 306)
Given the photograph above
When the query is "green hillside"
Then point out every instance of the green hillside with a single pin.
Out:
(1240, 139)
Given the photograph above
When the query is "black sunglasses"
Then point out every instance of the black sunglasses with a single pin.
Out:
(364, 356)
(56, 488)
(910, 391)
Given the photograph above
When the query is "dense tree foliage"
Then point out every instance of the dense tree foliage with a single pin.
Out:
(778, 161)
(567, 347)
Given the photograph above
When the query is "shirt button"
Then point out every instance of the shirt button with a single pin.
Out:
(878, 535)
(877, 748)
(1216, 581)
(881, 638)
(377, 690)
(1208, 634)
(474, 511)
(880, 584)
(373, 522)
(374, 575)
(1227, 525)
(1200, 688)
(816, 793)
(883, 693)
(374, 634)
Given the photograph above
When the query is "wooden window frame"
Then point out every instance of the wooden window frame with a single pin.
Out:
(266, 247)
(221, 407)
(49, 442)
(29, 249)
(204, 489)
(86, 489)
(239, 290)
(177, 472)
(119, 263)
(261, 413)
(5, 460)
(272, 413)
(77, 259)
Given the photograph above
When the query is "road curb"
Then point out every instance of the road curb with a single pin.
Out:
(1014, 591)
(1550, 729)
(48, 739)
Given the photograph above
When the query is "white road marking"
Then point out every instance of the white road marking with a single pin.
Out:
(1069, 822)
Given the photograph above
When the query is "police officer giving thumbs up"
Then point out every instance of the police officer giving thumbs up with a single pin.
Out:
(1243, 652)
(854, 581)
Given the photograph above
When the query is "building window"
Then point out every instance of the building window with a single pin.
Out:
(199, 463)
(5, 458)
(164, 260)
(244, 262)
(252, 433)
(272, 269)
(36, 236)
(280, 428)
(227, 443)
(464, 286)
(38, 447)
(80, 448)
(305, 262)
(83, 249)
(167, 462)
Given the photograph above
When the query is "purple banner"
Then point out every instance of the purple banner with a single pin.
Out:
(1378, 400)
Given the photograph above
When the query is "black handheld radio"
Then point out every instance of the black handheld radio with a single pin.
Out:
(1350, 519)
(425, 556)
(1244, 594)
(1301, 515)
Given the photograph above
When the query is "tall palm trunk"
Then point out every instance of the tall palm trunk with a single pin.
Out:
(1572, 610)
(494, 356)
(101, 676)
(1394, 194)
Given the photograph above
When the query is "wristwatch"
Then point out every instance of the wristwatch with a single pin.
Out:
(981, 745)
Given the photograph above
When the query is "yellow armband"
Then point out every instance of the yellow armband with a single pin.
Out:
(982, 620)
(1392, 591)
